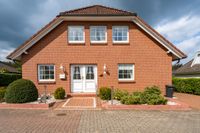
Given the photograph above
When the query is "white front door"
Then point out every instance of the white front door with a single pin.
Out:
(83, 78)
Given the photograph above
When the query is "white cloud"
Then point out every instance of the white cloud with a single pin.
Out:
(180, 29)
(183, 32)
(5, 50)
(189, 44)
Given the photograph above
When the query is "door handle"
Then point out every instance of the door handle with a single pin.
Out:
(82, 77)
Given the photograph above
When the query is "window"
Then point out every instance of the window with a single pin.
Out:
(125, 72)
(76, 34)
(98, 34)
(120, 34)
(46, 72)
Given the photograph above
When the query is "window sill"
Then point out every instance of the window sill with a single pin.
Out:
(46, 82)
(76, 44)
(121, 43)
(98, 43)
(126, 81)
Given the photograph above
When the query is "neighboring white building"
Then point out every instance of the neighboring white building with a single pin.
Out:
(191, 69)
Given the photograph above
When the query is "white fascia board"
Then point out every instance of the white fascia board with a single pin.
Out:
(156, 37)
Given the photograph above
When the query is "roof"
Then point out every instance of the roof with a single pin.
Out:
(96, 13)
(188, 69)
(8, 67)
(97, 10)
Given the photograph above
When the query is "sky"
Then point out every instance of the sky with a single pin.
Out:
(177, 20)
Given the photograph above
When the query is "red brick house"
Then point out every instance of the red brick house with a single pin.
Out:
(84, 49)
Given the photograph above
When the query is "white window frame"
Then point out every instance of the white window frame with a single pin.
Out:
(104, 41)
(127, 41)
(83, 28)
(46, 80)
(133, 74)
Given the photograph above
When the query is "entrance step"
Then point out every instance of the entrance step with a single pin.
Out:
(82, 94)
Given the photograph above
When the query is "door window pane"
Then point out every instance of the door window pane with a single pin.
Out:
(90, 72)
(77, 74)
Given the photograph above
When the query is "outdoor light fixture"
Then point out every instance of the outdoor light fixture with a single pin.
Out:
(62, 68)
(62, 75)
(104, 70)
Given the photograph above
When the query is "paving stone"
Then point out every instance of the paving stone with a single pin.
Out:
(92, 121)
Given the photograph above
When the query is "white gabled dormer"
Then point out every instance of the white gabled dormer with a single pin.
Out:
(196, 59)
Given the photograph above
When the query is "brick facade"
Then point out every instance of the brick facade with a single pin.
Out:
(152, 63)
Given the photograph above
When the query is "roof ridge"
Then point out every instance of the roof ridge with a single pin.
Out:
(117, 9)
(77, 9)
(97, 9)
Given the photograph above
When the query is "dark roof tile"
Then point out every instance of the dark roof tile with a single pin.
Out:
(8, 67)
(97, 10)
(187, 69)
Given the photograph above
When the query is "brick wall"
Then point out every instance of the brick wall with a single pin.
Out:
(152, 63)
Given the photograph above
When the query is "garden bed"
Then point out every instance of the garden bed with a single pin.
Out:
(26, 105)
(172, 104)
(149, 99)
(30, 105)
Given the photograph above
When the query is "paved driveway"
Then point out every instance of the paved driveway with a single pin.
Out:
(99, 121)
(192, 100)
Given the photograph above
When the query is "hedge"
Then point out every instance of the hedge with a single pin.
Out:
(2, 93)
(191, 85)
(7, 78)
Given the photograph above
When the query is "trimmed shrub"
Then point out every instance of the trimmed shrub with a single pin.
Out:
(152, 90)
(130, 99)
(118, 94)
(105, 93)
(2, 93)
(191, 85)
(137, 93)
(59, 93)
(152, 99)
(157, 100)
(151, 95)
(7, 78)
(21, 91)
